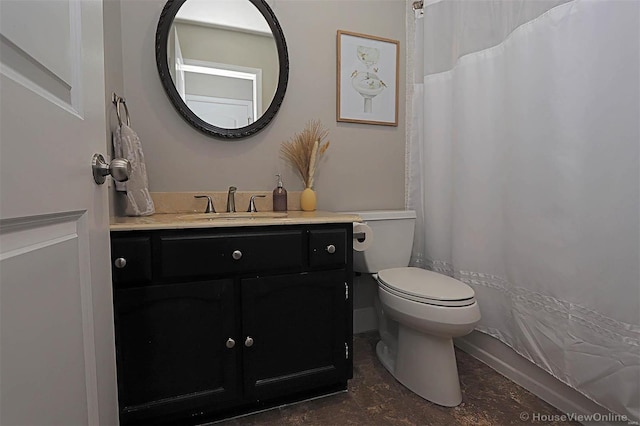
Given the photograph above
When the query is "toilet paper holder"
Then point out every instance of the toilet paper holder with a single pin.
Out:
(362, 236)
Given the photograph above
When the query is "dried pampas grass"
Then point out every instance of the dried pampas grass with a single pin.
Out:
(305, 149)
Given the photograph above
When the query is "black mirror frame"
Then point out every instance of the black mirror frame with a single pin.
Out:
(162, 35)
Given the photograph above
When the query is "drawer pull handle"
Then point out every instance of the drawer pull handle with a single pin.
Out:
(237, 255)
(230, 343)
(331, 249)
(120, 262)
(248, 341)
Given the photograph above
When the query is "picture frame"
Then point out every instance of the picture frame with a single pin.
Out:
(367, 79)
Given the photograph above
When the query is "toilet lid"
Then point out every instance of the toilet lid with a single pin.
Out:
(427, 286)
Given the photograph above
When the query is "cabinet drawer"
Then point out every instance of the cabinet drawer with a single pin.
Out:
(209, 255)
(131, 260)
(327, 247)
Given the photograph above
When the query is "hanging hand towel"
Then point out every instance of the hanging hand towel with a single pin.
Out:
(126, 144)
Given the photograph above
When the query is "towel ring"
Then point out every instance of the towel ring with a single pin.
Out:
(117, 101)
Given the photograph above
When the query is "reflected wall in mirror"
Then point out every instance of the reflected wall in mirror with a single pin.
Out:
(223, 64)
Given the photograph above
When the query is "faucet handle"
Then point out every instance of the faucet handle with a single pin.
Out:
(209, 208)
(252, 203)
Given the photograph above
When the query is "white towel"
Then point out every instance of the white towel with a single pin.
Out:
(126, 144)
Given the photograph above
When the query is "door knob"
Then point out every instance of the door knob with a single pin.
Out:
(248, 341)
(331, 249)
(119, 169)
(120, 262)
(230, 343)
(237, 255)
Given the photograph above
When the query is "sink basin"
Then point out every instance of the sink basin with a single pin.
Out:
(231, 216)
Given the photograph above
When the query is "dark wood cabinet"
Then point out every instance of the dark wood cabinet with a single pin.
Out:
(296, 324)
(215, 322)
(170, 347)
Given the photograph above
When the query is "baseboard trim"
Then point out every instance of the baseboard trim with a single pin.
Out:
(520, 370)
(364, 319)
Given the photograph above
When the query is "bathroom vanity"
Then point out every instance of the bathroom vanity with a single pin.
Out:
(219, 317)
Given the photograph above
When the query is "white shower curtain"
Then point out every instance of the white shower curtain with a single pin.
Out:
(523, 166)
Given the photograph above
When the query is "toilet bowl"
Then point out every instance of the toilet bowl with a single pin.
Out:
(424, 359)
(419, 311)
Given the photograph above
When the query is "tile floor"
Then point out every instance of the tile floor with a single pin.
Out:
(376, 398)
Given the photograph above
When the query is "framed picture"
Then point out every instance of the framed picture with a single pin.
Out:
(367, 74)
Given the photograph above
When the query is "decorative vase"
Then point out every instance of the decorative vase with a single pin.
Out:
(308, 200)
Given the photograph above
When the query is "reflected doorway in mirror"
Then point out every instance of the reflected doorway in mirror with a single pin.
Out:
(224, 95)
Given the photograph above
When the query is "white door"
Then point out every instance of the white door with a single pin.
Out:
(221, 112)
(57, 353)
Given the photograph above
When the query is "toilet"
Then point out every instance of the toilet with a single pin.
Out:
(420, 311)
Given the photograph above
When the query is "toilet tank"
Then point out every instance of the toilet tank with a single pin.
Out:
(392, 240)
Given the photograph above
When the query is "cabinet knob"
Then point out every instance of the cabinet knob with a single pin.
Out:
(331, 249)
(230, 343)
(120, 262)
(248, 341)
(237, 255)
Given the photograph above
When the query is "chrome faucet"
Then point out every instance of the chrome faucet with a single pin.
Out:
(252, 203)
(231, 199)
(209, 208)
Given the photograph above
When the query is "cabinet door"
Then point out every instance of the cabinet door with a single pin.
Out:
(296, 327)
(328, 248)
(172, 349)
(135, 255)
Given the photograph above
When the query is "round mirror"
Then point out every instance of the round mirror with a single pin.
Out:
(223, 64)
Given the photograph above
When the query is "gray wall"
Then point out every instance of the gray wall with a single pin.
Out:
(363, 168)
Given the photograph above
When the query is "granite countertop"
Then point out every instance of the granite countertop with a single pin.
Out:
(191, 220)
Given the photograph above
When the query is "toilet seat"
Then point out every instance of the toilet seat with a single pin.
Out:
(425, 286)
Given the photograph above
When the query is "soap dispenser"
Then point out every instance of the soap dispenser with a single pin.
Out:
(279, 197)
